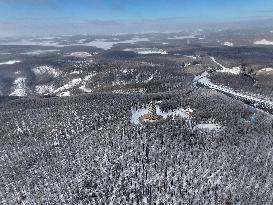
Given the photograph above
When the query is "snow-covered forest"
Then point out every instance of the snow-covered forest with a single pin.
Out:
(71, 129)
(84, 150)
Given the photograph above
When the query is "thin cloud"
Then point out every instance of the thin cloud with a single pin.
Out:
(266, 11)
(47, 3)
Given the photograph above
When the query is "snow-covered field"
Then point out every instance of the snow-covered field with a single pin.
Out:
(49, 70)
(73, 83)
(81, 54)
(229, 44)
(32, 42)
(64, 94)
(11, 62)
(54, 42)
(266, 70)
(145, 51)
(19, 87)
(263, 42)
(107, 44)
(234, 70)
(75, 72)
(44, 89)
(136, 114)
(181, 37)
(192, 57)
(81, 41)
(39, 52)
(84, 82)
(180, 112)
(208, 127)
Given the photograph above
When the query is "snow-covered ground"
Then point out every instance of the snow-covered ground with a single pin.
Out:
(81, 54)
(44, 89)
(229, 44)
(234, 70)
(192, 57)
(101, 43)
(53, 42)
(10, 62)
(106, 44)
(145, 51)
(81, 41)
(32, 42)
(125, 71)
(75, 72)
(136, 114)
(64, 94)
(151, 77)
(207, 127)
(39, 52)
(19, 87)
(119, 82)
(263, 42)
(73, 83)
(84, 82)
(181, 37)
(266, 70)
(180, 112)
(49, 70)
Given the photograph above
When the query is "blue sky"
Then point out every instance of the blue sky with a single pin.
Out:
(113, 15)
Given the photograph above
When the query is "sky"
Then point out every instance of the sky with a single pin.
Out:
(61, 17)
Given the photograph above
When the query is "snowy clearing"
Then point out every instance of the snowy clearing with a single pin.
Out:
(208, 127)
(80, 54)
(136, 114)
(11, 62)
(234, 70)
(49, 70)
(263, 42)
(75, 72)
(44, 89)
(19, 87)
(99, 43)
(119, 82)
(39, 52)
(181, 37)
(192, 57)
(75, 82)
(31, 42)
(64, 94)
(267, 70)
(84, 82)
(85, 89)
(106, 45)
(229, 44)
(81, 41)
(145, 51)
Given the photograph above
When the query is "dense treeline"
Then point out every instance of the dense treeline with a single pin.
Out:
(84, 150)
